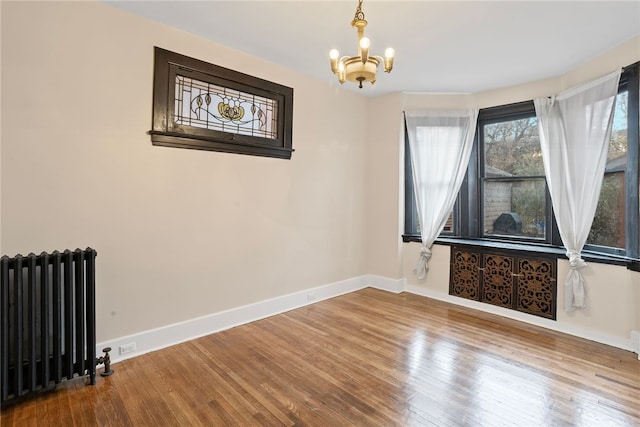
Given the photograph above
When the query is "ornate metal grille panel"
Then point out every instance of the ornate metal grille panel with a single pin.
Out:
(205, 105)
(497, 286)
(465, 275)
(536, 287)
(505, 278)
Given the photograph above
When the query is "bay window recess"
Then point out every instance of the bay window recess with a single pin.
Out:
(504, 198)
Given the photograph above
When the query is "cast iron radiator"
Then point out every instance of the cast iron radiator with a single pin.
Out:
(47, 320)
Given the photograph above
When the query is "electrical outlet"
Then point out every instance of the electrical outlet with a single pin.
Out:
(128, 348)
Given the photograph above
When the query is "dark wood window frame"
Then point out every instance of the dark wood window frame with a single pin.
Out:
(166, 132)
(467, 214)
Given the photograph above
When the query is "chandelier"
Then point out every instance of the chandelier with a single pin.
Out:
(363, 67)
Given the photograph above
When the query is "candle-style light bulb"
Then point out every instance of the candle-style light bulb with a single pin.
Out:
(365, 43)
(389, 54)
(342, 72)
(334, 54)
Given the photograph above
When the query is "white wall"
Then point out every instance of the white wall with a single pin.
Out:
(613, 292)
(179, 233)
(183, 233)
(383, 166)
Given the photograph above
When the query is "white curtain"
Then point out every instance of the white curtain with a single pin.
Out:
(575, 127)
(440, 143)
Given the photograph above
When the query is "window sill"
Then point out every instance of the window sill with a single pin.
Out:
(230, 145)
(559, 252)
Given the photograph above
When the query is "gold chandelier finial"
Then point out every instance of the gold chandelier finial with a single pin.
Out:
(363, 67)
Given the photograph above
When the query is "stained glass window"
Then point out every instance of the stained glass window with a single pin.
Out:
(209, 106)
(203, 106)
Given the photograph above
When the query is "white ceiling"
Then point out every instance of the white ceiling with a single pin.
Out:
(441, 46)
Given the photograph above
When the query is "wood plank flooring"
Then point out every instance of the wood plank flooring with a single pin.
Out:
(369, 358)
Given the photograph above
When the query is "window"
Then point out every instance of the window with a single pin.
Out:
(505, 196)
(513, 191)
(206, 107)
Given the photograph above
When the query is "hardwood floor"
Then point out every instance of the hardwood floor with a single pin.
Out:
(369, 358)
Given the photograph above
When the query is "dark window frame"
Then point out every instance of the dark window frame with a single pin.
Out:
(166, 132)
(468, 215)
(410, 208)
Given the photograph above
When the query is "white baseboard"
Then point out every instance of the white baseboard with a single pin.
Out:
(527, 318)
(155, 339)
(390, 285)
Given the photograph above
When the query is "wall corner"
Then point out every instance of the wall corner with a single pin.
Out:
(635, 342)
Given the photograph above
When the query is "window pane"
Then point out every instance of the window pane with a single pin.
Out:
(515, 208)
(512, 148)
(608, 228)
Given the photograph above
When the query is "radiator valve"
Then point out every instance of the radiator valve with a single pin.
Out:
(107, 362)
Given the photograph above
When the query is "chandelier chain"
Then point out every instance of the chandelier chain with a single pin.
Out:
(359, 16)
